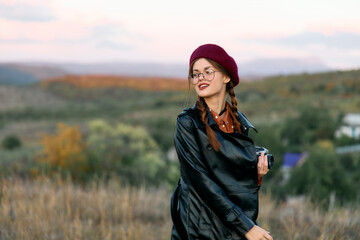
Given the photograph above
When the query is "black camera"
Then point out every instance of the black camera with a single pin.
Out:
(270, 157)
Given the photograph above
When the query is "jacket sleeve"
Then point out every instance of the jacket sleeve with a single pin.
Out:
(197, 175)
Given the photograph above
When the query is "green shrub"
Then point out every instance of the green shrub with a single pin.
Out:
(345, 140)
(19, 163)
(127, 151)
(313, 124)
(11, 142)
(320, 175)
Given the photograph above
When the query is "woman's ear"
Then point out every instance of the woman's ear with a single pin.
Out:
(226, 79)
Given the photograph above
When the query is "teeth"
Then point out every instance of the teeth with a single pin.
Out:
(203, 85)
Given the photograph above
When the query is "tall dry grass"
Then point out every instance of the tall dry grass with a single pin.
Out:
(45, 209)
(299, 219)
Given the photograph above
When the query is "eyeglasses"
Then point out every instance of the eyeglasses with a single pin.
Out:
(208, 75)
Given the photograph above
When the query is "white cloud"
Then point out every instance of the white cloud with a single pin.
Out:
(117, 37)
(163, 31)
(25, 12)
(114, 45)
(19, 41)
(311, 40)
(338, 40)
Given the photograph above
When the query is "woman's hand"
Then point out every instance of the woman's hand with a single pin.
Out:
(257, 233)
(262, 165)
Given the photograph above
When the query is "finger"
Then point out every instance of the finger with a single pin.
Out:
(266, 163)
(259, 165)
(268, 237)
(261, 160)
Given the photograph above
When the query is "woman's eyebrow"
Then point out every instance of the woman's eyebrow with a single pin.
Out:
(204, 68)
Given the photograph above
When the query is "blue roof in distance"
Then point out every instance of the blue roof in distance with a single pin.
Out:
(291, 159)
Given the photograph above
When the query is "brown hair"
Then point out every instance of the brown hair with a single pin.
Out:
(201, 106)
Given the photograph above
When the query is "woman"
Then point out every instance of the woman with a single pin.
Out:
(217, 194)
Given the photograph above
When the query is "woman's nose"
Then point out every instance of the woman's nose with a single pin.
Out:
(202, 76)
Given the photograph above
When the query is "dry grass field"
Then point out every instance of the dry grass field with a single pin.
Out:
(15, 98)
(48, 209)
(44, 209)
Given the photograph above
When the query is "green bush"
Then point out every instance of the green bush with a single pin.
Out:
(127, 151)
(19, 163)
(320, 175)
(312, 124)
(162, 130)
(345, 140)
(11, 142)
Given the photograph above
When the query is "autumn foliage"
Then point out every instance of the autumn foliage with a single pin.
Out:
(140, 83)
(64, 150)
(123, 150)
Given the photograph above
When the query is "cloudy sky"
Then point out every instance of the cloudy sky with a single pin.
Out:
(164, 31)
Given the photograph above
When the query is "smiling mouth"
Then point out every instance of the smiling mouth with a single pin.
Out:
(203, 86)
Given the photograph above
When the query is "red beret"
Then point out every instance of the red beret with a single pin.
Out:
(218, 54)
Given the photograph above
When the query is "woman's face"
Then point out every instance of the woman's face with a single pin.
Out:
(211, 88)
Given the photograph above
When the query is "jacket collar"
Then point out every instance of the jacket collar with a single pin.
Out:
(211, 120)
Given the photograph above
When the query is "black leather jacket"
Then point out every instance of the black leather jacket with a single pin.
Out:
(217, 195)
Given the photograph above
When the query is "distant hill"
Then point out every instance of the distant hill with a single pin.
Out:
(22, 74)
(41, 72)
(341, 83)
(103, 81)
(25, 73)
(127, 69)
(10, 75)
(250, 70)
